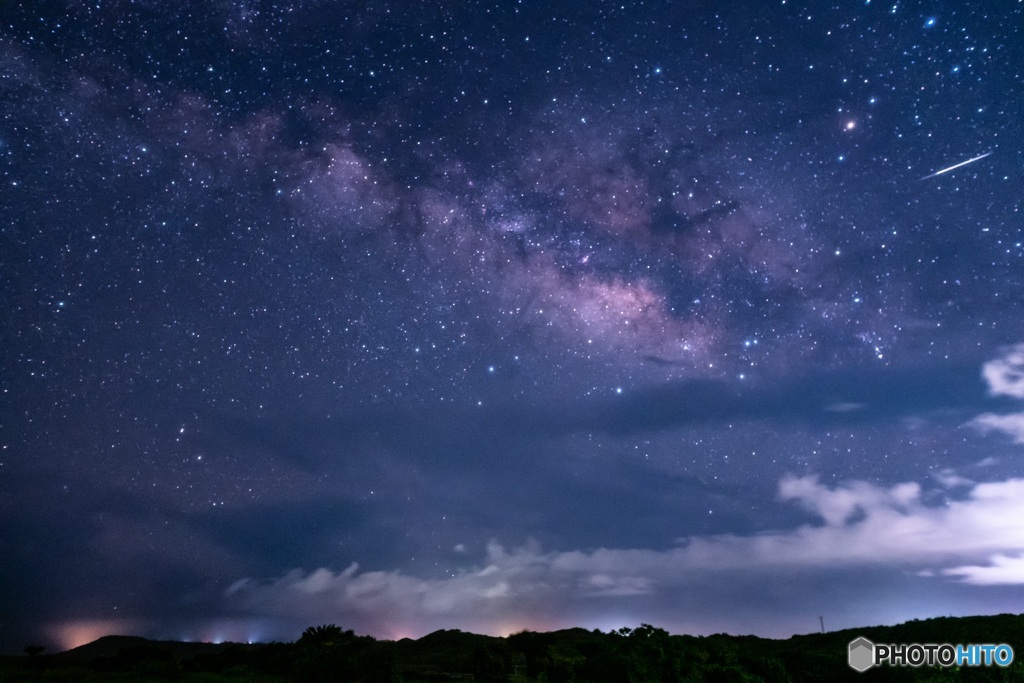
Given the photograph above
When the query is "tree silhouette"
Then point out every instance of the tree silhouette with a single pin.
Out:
(327, 635)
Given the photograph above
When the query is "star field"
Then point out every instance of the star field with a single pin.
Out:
(497, 315)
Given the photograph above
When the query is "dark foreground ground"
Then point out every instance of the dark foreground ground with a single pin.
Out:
(328, 653)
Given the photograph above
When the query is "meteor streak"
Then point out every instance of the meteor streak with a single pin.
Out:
(955, 166)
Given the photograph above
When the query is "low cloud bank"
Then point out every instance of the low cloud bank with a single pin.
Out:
(977, 540)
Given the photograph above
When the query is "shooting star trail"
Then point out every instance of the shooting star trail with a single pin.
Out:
(956, 166)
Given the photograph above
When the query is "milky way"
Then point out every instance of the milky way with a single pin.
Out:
(494, 316)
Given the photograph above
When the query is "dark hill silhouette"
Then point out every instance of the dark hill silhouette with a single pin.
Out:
(111, 646)
(646, 653)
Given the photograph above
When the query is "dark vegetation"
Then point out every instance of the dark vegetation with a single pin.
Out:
(328, 653)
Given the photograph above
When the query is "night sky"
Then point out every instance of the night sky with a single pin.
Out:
(508, 315)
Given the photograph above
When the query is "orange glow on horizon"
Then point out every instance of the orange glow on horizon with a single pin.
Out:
(74, 634)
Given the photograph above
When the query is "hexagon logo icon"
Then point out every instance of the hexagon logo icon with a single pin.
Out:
(862, 654)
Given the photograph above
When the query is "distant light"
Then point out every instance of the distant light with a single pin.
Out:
(929, 22)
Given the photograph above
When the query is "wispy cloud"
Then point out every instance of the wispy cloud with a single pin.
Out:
(1002, 570)
(1005, 377)
(1010, 424)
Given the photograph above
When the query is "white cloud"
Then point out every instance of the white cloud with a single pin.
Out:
(950, 479)
(1010, 424)
(838, 505)
(1005, 376)
(1003, 570)
(866, 526)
